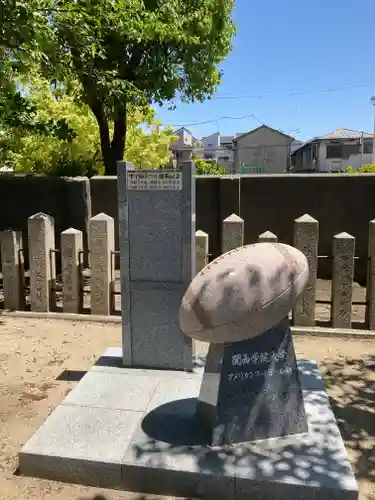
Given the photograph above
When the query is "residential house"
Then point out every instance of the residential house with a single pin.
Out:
(262, 150)
(211, 147)
(182, 148)
(334, 152)
(219, 149)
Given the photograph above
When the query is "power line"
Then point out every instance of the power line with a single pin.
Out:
(230, 149)
(219, 119)
(294, 93)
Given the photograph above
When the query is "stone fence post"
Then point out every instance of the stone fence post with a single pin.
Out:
(370, 286)
(71, 248)
(306, 235)
(13, 270)
(201, 250)
(267, 237)
(41, 235)
(342, 280)
(102, 246)
(233, 233)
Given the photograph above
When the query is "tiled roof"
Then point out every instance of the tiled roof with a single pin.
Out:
(296, 145)
(345, 133)
(339, 133)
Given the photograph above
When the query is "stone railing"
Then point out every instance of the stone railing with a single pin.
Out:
(41, 288)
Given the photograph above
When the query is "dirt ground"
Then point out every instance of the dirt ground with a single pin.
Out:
(34, 352)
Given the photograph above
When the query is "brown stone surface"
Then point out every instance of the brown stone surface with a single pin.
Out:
(35, 353)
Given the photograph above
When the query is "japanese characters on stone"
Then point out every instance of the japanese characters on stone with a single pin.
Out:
(257, 359)
(163, 181)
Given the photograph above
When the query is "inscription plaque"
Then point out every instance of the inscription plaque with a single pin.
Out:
(154, 181)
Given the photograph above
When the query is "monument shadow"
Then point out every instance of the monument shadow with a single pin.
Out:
(173, 430)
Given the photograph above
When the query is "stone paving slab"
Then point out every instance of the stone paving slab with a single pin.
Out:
(160, 448)
(115, 391)
(79, 444)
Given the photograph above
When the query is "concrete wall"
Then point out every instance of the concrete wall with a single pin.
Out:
(68, 200)
(340, 202)
(263, 148)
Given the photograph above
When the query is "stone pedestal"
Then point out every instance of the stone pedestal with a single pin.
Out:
(157, 251)
(137, 430)
(251, 389)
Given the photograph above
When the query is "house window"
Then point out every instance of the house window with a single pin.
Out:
(342, 151)
(351, 149)
(367, 148)
(334, 151)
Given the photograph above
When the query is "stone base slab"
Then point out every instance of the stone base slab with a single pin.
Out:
(136, 430)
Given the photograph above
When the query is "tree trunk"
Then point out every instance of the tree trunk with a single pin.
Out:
(112, 151)
(118, 141)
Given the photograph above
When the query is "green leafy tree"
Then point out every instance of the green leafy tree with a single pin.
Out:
(130, 53)
(24, 29)
(147, 143)
(71, 144)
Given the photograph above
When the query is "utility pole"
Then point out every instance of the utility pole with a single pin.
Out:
(373, 139)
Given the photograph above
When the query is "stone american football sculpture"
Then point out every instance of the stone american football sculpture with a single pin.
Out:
(243, 293)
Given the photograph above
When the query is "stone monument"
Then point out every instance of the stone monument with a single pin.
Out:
(251, 389)
(254, 423)
(157, 249)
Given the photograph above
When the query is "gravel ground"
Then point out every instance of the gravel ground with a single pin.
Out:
(33, 352)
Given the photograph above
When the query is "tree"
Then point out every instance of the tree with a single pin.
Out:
(69, 144)
(134, 53)
(147, 144)
(24, 28)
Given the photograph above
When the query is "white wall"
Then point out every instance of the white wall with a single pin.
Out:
(329, 164)
(184, 139)
(212, 141)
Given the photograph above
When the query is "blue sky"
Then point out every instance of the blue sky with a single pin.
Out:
(294, 46)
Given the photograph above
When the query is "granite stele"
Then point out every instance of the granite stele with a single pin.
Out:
(251, 422)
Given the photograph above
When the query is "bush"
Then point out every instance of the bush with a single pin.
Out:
(366, 169)
(204, 168)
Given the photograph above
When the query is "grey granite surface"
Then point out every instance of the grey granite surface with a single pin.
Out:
(154, 442)
(157, 239)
